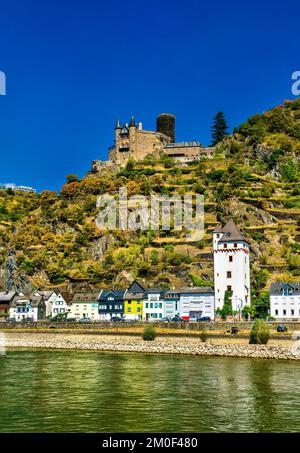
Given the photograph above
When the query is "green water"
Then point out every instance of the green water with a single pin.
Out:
(78, 391)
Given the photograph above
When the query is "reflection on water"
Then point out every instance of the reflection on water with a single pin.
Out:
(55, 391)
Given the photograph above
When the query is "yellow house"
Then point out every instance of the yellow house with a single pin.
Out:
(133, 301)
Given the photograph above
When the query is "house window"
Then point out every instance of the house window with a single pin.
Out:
(129, 309)
(147, 305)
(276, 312)
(225, 246)
(138, 310)
(218, 235)
(284, 312)
(228, 274)
(292, 312)
(230, 258)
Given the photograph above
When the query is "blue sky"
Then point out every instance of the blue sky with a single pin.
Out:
(73, 66)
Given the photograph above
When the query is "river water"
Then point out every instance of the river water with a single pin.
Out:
(79, 391)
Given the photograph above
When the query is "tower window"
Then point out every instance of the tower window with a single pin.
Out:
(230, 258)
(228, 274)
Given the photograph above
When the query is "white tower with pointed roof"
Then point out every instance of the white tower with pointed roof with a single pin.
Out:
(231, 266)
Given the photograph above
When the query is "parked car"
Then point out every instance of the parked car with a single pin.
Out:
(71, 320)
(234, 330)
(84, 320)
(281, 328)
(10, 320)
(166, 319)
(178, 318)
(117, 319)
(204, 319)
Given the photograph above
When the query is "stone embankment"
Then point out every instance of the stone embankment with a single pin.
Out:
(159, 346)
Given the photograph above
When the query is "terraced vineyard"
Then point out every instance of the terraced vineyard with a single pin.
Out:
(253, 179)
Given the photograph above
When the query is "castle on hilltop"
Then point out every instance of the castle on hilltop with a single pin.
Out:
(133, 142)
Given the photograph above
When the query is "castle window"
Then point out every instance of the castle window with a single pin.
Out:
(228, 274)
(230, 258)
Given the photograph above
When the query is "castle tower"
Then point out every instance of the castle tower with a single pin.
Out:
(165, 124)
(132, 138)
(231, 266)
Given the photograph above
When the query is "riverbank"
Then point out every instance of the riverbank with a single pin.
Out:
(161, 345)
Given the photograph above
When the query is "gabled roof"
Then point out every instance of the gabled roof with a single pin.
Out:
(135, 290)
(34, 301)
(85, 296)
(104, 293)
(7, 297)
(231, 232)
(45, 294)
(278, 287)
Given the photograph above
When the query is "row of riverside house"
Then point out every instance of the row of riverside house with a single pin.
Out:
(137, 303)
(231, 255)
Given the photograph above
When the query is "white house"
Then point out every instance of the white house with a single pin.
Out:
(85, 306)
(153, 305)
(171, 304)
(231, 266)
(27, 308)
(197, 303)
(285, 300)
(60, 306)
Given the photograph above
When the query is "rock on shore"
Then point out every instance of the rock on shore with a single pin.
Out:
(137, 345)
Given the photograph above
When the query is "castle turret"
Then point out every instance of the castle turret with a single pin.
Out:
(132, 138)
(132, 122)
(118, 129)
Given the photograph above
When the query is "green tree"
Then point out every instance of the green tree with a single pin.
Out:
(260, 333)
(219, 128)
(154, 257)
(149, 333)
(227, 307)
(72, 178)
